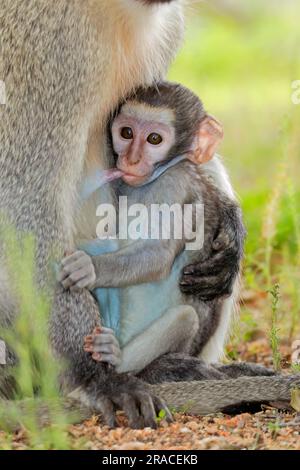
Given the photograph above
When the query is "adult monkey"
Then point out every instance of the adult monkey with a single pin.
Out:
(66, 64)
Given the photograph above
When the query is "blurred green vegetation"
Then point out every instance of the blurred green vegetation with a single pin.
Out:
(241, 59)
(36, 393)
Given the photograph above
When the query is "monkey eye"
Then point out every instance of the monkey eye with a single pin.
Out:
(127, 133)
(154, 139)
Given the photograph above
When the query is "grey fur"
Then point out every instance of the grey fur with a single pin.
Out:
(55, 59)
(146, 261)
(59, 60)
(207, 397)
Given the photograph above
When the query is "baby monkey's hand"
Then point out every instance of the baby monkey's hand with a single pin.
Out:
(104, 346)
(77, 270)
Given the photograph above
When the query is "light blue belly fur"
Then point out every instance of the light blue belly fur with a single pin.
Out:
(142, 304)
(130, 310)
(108, 298)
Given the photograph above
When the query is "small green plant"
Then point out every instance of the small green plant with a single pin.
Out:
(36, 373)
(274, 428)
(161, 416)
(274, 338)
(232, 354)
(295, 368)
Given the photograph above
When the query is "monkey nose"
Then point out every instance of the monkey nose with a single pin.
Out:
(134, 160)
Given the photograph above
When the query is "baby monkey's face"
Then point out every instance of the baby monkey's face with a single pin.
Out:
(142, 137)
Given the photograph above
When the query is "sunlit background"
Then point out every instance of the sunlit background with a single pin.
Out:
(241, 57)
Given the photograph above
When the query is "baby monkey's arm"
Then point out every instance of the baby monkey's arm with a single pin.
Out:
(104, 346)
(139, 262)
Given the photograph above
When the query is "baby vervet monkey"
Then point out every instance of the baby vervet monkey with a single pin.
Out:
(161, 136)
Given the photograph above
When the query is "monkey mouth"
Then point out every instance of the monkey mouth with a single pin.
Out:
(131, 176)
(112, 174)
(132, 179)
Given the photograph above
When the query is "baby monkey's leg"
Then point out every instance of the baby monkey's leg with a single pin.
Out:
(172, 332)
(104, 346)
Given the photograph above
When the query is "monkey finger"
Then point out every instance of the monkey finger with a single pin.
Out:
(204, 282)
(73, 257)
(107, 409)
(68, 253)
(88, 338)
(61, 275)
(161, 406)
(194, 286)
(88, 345)
(107, 349)
(87, 342)
(128, 404)
(221, 242)
(101, 339)
(87, 281)
(84, 283)
(196, 269)
(147, 409)
(97, 357)
(67, 283)
(73, 278)
(214, 265)
(96, 331)
(80, 265)
(107, 358)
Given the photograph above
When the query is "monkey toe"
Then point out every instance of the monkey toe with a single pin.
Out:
(147, 410)
(107, 410)
(207, 287)
(107, 358)
(128, 404)
(97, 357)
(161, 407)
(143, 409)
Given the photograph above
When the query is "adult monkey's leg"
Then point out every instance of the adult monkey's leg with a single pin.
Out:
(59, 60)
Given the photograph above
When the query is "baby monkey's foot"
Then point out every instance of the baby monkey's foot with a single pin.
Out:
(104, 346)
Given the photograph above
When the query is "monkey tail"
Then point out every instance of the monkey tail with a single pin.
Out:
(196, 398)
(212, 396)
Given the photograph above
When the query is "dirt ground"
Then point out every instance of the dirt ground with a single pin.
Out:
(268, 429)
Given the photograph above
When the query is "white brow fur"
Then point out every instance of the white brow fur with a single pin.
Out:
(140, 110)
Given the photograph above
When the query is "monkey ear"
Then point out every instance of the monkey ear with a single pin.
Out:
(206, 141)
